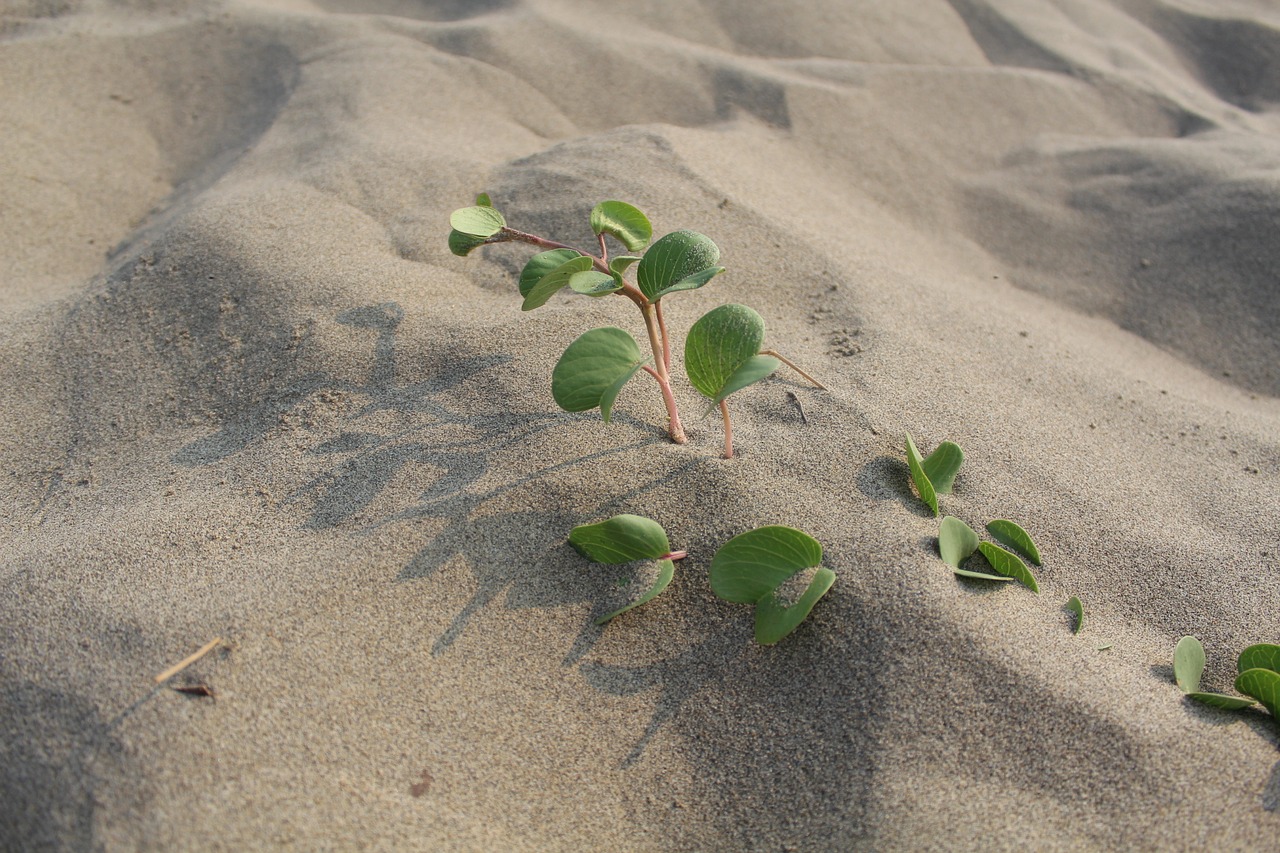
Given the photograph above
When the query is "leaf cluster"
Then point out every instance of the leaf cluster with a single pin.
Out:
(1258, 676)
(760, 567)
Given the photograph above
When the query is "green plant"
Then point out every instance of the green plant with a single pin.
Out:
(1258, 668)
(778, 569)
(957, 541)
(1076, 608)
(628, 539)
(595, 367)
(934, 474)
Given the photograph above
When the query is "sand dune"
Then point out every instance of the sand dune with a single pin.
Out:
(248, 393)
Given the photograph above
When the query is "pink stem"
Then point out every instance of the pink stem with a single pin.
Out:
(728, 430)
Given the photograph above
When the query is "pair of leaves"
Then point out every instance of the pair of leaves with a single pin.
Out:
(722, 351)
(957, 542)
(626, 539)
(593, 369)
(474, 226)
(755, 568)
(546, 273)
(935, 474)
(1259, 676)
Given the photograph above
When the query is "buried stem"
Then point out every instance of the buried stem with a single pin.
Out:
(789, 363)
(728, 430)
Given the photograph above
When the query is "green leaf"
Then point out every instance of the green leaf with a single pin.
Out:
(1008, 563)
(1012, 536)
(620, 264)
(621, 539)
(982, 576)
(462, 244)
(956, 541)
(666, 571)
(623, 221)
(721, 342)
(1263, 685)
(543, 264)
(692, 282)
(478, 221)
(592, 367)
(1221, 700)
(752, 370)
(672, 259)
(1188, 664)
(593, 283)
(776, 617)
(1077, 610)
(1260, 656)
(482, 200)
(921, 479)
(610, 396)
(551, 283)
(752, 565)
(942, 465)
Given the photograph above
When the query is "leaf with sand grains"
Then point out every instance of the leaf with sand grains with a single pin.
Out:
(626, 539)
(722, 356)
(1009, 564)
(682, 260)
(777, 569)
(1011, 535)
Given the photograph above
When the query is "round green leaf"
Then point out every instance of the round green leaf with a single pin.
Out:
(543, 264)
(593, 283)
(752, 565)
(674, 258)
(1012, 536)
(478, 221)
(623, 221)
(1221, 700)
(1263, 685)
(462, 244)
(551, 283)
(1007, 563)
(1188, 664)
(721, 342)
(919, 477)
(591, 368)
(1260, 656)
(776, 618)
(621, 539)
(942, 465)
(666, 571)
(956, 541)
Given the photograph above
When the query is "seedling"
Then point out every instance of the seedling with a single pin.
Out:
(595, 367)
(935, 474)
(956, 543)
(1259, 676)
(627, 539)
(778, 569)
(1076, 609)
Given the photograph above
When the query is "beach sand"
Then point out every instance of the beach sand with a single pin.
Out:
(247, 393)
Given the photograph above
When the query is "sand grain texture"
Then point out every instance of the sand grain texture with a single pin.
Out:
(248, 393)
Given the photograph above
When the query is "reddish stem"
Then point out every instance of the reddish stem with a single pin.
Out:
(674, 555)
(662, 329)
(728, 430)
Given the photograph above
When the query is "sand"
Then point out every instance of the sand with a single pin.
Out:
(248, 393)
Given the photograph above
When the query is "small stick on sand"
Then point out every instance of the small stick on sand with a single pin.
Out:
(186, 662)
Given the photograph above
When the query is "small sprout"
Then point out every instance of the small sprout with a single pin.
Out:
(1188, 666)
(935, 474)
(626, 539)
(593, 369)
(1077, 610)
(956, 541)
(1260, 656)
(1012, 536)
(1007, 563)
(756, 567)
(721, 356)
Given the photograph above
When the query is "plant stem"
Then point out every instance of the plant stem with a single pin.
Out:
(662, 329)
(675, 429)
(674, 555)
(789, 363)
(728, 430)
